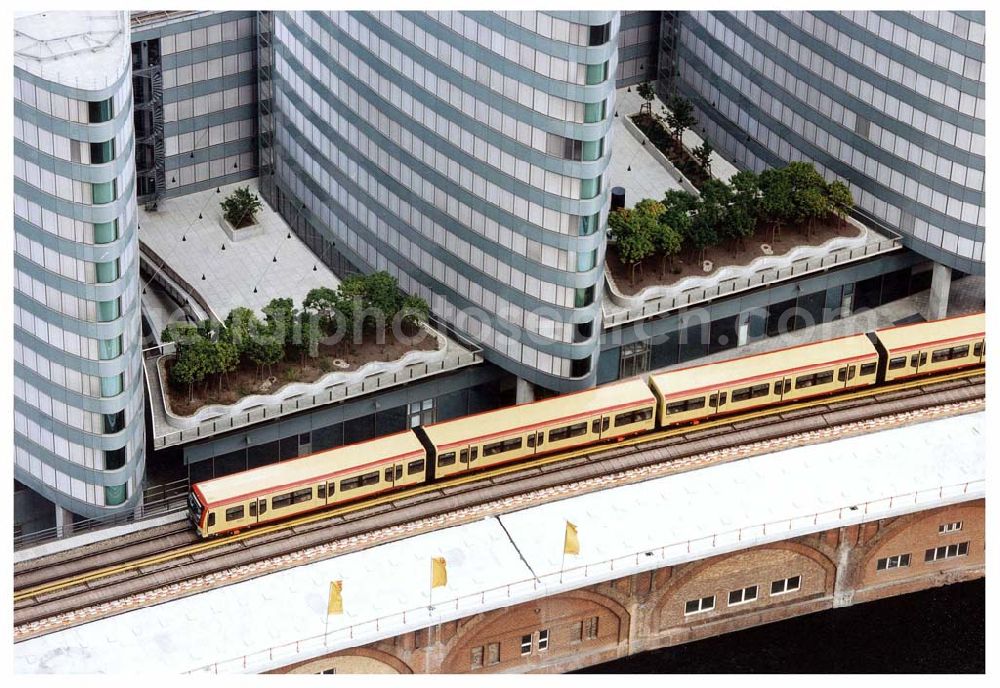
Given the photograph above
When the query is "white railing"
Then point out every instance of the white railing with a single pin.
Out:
(334, 393)
(731, 286)
(589, 574)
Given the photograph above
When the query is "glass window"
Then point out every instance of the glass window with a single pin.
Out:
(599, 35)
(114, 458)
(102, 152)
(596, 73)
(104, 192)
(116, 494)
(101, 110)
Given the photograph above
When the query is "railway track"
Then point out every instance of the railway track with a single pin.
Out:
(169, 555)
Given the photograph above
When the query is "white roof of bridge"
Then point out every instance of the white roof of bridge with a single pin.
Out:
(676, 518)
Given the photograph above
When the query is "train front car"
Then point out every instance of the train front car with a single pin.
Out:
(318, 481)
(932, 347)
(543, 427)
(699, 392)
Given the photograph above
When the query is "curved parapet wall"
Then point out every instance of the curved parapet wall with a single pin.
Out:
(294, 390)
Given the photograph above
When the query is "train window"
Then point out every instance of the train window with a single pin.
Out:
(463, 456)
(918, 359)
(531, 440)
(281, 501)
(595, 427)
(814, 379)
(868, 369)
(235, 513)
(388, 474)
(842, 374)
(899, 362)
(446, 459)
(686, 405)
(717, 400)
(211, 519)
(330, 489)
(578, 429)
(505, 446)
(760, 390)
(633, 417)
(370, 478)
(399, 471)
(950, 354)
(253, 508)
(300, 496)
(977, 350)
(742, 394)
(321, 491)
(415, 467)
(777, 387)
(350, 484)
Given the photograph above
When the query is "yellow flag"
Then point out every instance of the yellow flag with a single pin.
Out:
(439, 572)
(336, 604)
(571, 545)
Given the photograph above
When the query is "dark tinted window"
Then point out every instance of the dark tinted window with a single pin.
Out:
(235, 513)
(415, 467)
(686, 405)
(599, 35)
(446, 459)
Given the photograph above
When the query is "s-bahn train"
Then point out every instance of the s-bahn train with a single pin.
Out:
(686, 395)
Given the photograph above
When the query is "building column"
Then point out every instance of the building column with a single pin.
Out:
(937, 301)
(64, 522)
(525, 393)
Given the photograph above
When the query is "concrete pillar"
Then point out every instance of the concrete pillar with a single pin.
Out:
(937, 300)
(743, 329)
(64, 522)
(525, 393)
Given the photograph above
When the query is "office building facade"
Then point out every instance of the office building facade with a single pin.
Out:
(78, 389)
(461, 151)
(891, 102)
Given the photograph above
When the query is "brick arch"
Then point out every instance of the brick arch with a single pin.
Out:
(899, 527)
(367, 660)
(685, 573)
(490, 624)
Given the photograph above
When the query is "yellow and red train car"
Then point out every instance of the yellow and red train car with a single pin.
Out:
(684, 395)
(270, 493)
(556, 424)
(932, 347)
(703, 391)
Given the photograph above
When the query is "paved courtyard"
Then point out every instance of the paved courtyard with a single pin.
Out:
(187, 234)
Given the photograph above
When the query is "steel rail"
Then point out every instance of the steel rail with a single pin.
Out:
(637, 440)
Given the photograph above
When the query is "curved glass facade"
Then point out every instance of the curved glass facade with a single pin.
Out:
(891, 102)
(464, 152)
(78, 394)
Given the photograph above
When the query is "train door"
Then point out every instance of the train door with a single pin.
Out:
(257, 510)
(536, 440)
(718, 401)
(847, 373)
(782, 387)
(917, 361)
(393, 474)
(468, 457)
(979, 351)
(600, 426)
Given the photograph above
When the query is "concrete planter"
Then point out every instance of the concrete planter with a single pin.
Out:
(241, 233)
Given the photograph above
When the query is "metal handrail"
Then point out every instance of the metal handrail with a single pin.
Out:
(766, 276)
(172, 498)
(334, 393)
(680, 551)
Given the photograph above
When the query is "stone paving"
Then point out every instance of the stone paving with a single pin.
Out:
(646, 178)
(269, 261)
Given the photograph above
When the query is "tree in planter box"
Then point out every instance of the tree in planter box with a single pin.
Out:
(632, 231)
(680, 118)
(647, 93)
(841, 200)
(745, 208)
(240, 206)
(777, 202)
